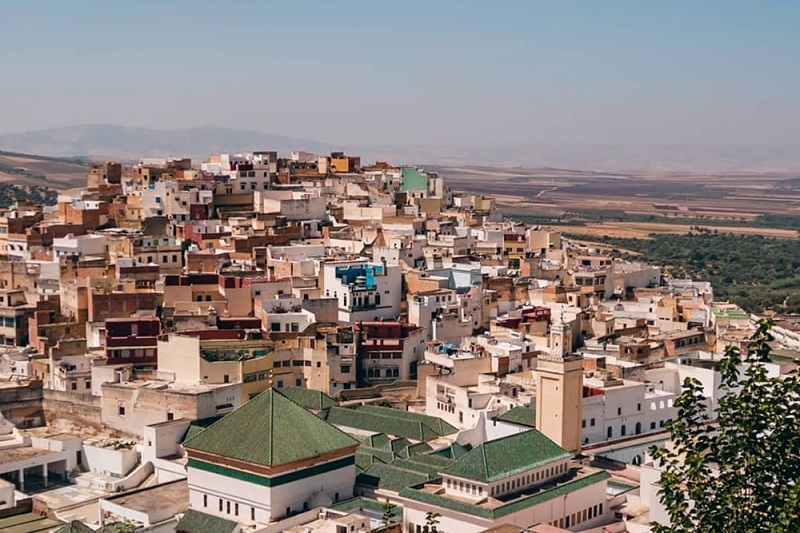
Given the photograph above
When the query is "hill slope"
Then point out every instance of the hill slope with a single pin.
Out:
(58, 173)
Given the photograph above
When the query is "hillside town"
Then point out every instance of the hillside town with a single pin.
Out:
(260, 343)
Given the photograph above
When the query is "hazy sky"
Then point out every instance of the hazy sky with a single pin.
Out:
(409, 71)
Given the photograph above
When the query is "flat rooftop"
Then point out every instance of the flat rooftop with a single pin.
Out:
(19, 454)
(27, 523)
(155, 498)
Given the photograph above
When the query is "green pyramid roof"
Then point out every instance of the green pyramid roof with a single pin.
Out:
(501, 458)
(198, 522)
(313, 400)
(521, 415)
(270, 430)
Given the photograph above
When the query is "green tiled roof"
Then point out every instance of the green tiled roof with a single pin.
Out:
(360, 503)
(196, 522)
(523, 416)
(498, 459)
(396, 479)
(399, 444)
(379, 441)
(454, 451)
(353, 418)
(420, 447)
(512, 506)
(434, 461)
(438, 425)
(312, 400)
(371, 476)
(382, 454)
(197, 426)
(270, 430)
(404, 424)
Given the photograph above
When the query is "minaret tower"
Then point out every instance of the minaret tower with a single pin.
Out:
(559, 390)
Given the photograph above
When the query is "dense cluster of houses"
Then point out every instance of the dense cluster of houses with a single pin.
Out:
(260, 343)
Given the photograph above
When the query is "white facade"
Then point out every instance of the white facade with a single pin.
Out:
(365, 291)
(615, 409)
(579, 509)
(80, 246)
(253, 503)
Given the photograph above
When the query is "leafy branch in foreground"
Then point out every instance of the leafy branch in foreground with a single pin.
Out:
(740, 472)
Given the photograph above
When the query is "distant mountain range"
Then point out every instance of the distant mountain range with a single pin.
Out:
(118, 142)
(101, 140)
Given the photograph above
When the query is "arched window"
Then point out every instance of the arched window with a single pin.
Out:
(610, 432)
(638, 427)
(623, 431)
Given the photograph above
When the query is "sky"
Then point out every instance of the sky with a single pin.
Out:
(410, 72)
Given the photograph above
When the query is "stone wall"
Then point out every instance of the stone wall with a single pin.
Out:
(72, 411)
(22, 404)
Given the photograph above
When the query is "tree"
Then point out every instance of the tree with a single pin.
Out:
(126, 527)
(740, 472)
(431, 522)
(388, 514)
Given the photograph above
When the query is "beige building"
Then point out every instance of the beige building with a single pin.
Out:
(215, 357)
(559, 391)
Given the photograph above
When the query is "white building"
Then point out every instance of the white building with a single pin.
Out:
(268, 460)
(521, 479)
(80, 246)
(366, 291)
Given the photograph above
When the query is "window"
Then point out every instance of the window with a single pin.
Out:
(298, 382)
(170, 415)
(220, 505)
(591, 422)
(205, 500)
(226, 378)
(236, 509)
(121, 410)
(638, 427)
(638, 407)
(252, 513)
(345, 369)
(583, 423)
(275, 326)
(619, 410)
(652, 425)
(623, 430)
(74, 386)
(280, 383)
(228, 507)
(610, 432)
(88, 384)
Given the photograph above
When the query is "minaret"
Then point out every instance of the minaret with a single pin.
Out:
(559, 390)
